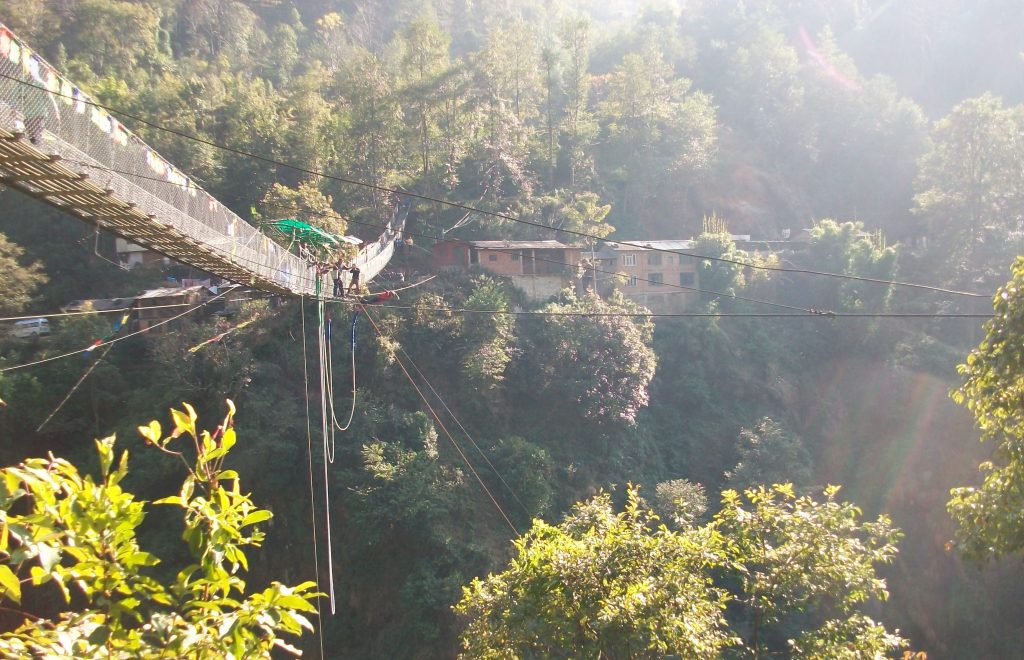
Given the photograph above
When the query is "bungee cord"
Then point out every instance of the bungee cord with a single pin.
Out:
(309, 454)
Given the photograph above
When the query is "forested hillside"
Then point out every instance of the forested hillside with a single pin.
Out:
(892, 132)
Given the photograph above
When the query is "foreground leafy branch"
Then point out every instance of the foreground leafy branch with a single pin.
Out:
(79, 534)
(989, 515)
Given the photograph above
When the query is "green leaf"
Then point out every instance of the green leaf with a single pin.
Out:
(10, 584)
(228, 441)
(257, 517)
(105, 447)
(143, 559)
(183, 423)
(48, 557)
(152, 433)
(99, 636)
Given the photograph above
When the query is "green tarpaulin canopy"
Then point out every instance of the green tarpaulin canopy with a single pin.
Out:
(306, 233)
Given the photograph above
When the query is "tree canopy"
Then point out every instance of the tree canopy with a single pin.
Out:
(603, 583)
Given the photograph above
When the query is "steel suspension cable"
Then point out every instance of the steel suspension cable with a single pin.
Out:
(466, 207)
(115, 339)
(444, 428)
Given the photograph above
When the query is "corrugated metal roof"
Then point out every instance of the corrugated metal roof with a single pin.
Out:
(98, 304)
(168, 291)
(641, 245)
(519, 245)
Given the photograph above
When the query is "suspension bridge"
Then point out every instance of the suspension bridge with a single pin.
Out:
(57, 145)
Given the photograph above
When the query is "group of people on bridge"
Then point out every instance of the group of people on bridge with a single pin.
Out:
(337, 269)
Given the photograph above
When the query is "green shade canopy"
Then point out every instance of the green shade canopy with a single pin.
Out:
(306, 233)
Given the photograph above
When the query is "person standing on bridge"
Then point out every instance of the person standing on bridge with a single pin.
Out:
(339, 285)
(353, 283)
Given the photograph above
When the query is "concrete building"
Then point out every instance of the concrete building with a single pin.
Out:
(131, 255)
(156, 305)
(647, 275)
(540, 268)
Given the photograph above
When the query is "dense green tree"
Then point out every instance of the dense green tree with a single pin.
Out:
(113, 37)
(661, 131)
(612, 584)
(34, 20)
(424, 61)
(527, 470)
(579, 127)
(770, 454)
(506, 99)
(20, 279)
(796, 555)
(375, 129)
(250, 119)
(601, 584)
(310, 128)
(217, 30)
(844, 247)
(598, 363)
(989, 514)
(305, 203)
(681, 501)
(490, 336)
(723, 274)
(970, 189)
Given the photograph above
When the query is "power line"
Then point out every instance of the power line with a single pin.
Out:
(335, 216)
(437, 418)
(115, 310)
(823, 315)
(116, 339)
(467, 434)
(465, 207)
(74, 388)
(594, 269)
(806, 311)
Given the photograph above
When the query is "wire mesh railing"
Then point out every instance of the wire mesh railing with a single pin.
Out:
(60, 119)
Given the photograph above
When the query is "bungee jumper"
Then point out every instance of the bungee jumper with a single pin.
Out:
(378, 298)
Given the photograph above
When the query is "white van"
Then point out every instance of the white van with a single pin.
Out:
(31, 327)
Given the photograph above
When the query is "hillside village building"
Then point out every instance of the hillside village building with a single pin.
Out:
(539, 268)
(647, 275)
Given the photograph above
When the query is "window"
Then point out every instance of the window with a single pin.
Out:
(654, 259)
(656, 279)
(515, 257)
(492, 257)
(629, 260)
(687, 278)
(668, 259)
(631, 281)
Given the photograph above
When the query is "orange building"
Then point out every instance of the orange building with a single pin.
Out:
(540, 268)
(648, 275)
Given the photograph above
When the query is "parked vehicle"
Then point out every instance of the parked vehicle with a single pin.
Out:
(31, 327)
